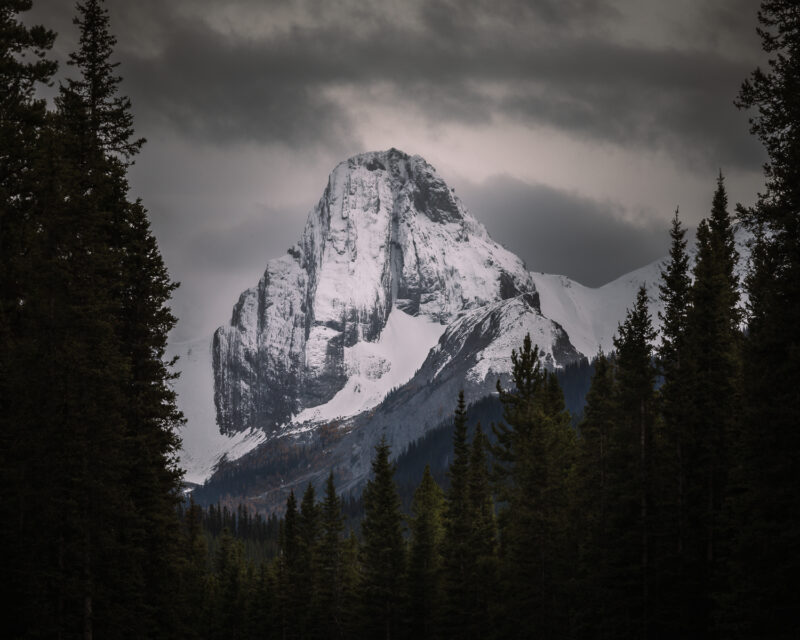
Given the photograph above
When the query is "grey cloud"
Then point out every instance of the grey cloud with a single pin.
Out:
(556, 231)
(246, 243)
(554, 63)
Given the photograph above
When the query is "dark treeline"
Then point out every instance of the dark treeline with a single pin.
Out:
(89, 485)
(671, 510)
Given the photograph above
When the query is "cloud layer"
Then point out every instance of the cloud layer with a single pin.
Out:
(248, 104)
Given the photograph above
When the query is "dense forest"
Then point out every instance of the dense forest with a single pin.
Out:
(668, 508)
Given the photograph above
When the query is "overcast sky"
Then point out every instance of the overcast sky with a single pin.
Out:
(571, 128)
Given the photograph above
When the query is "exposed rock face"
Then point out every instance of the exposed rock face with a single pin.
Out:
(387, 233)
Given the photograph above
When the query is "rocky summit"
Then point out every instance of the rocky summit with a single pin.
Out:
(388, 238)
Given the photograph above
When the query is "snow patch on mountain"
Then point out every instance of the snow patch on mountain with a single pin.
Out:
(590, 316)
(375, 368)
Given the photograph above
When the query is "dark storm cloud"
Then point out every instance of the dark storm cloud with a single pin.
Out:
(550, 63)
(559, 232)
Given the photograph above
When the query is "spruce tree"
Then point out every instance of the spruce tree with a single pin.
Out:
(229, 589)
(534, 455)
(351, 587)
(24, 68)
(713, 399)
(331, 564)
(308, 564)
(767, 556)
(288, 572)
(457, 552)
(592, 502)
(630, 477)
(96, 127)
(424, 600)
(482, 540)
(193, 587)
(674, 465)
(26, 517)
(383, 551)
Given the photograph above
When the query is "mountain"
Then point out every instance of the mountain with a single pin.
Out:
(388, 246)
(394, 299)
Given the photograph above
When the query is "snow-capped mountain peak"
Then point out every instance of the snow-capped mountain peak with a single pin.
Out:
(386, 234)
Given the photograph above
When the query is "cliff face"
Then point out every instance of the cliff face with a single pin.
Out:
(387, 235)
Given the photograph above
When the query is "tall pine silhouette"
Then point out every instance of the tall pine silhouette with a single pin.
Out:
(383, 551)
(768, 545)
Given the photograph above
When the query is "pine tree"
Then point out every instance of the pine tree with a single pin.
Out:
(676, 441)
(351, 587)
(457, 552)
(383, 552)
(261, 612)
(308, 564)
(768, 548)
(230, 587)
(630, 477)
(713, 378)
(124, 266)
(193, 587)
(26, 521)
(592, 501)
(534, 455)
(482, 574)
(331, 564)
(288, 572)
(23, 68)
(424, 598)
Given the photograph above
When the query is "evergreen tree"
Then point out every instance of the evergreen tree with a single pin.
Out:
(457, 552)
(713, 374)
(331, 564)
(383, 552)
(261, 611)
(23, 68)
(95, 124)
(194, 575)
(308, 561)
(630, 477)
(288, 571)
(351, 587)
(425, 559)
(675, 564)
(767, 557)
(534, 456)
(592, 502)
(26, 522)
(482, 540)
(230, 588)
(674, 294)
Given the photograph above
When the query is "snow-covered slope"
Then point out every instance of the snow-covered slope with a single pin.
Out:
(590, 316)
(375, 368)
